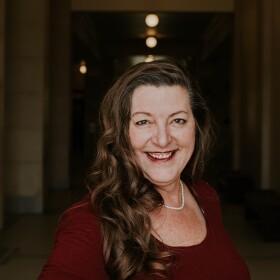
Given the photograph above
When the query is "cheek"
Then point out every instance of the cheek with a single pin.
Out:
(191, 132)
(138, 137)
(188, 139)
(192, 139)
(135, 139)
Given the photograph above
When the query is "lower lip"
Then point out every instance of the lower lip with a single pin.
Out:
(160, 160)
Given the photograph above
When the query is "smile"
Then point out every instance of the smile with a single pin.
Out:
(161, 156)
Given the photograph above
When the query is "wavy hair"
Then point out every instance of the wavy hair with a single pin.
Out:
(121, 197)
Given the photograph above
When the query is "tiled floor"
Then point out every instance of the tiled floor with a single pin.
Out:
(26, 242)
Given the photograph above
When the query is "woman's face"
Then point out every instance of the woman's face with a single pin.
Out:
(162, 132)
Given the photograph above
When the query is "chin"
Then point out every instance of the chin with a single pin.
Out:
(162, 180)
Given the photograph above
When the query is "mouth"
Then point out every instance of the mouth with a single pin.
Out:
(161, 156)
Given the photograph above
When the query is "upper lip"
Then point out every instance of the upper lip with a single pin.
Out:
(161, 152)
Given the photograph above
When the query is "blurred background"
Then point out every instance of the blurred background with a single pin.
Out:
(58, 58)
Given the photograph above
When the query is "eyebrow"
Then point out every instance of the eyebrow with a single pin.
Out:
(146, 113)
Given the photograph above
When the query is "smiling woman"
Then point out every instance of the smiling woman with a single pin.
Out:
(148, 214)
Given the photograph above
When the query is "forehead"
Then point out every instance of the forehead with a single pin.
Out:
(163, 98)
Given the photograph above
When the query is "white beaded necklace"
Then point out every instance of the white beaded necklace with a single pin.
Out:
(182, 199)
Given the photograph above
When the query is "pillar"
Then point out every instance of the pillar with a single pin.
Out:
(256, 101)
(247, 93)
(274, 93)
(26, 104)
(60, 95)
(2, 101)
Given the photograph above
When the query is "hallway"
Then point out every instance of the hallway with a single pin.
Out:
(49, 109)
(27, 240)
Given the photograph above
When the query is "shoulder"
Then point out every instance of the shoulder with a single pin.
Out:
(77, 251)
(204, 191)
(80, 215)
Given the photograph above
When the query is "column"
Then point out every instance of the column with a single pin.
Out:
(26, 105)
(256, 98)
(2, 101)
(60, 95)
(246, 100)
(275, 96)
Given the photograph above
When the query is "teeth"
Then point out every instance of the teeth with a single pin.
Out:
(161, 155)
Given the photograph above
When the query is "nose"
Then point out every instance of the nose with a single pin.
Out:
(161, 136)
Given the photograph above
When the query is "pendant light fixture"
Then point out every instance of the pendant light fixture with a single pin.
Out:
(152, 20)
(151, 42)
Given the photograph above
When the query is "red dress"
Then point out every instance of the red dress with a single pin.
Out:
(77, 252)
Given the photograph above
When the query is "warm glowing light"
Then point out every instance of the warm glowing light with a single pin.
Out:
(152, 20)
(151, 32)
(149, 58)
(83, 67)
(151, 42)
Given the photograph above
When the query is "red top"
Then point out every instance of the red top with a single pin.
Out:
(77, 252)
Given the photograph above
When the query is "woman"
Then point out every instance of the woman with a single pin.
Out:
(148, 215)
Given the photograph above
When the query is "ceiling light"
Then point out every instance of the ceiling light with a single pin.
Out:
(149, 58)
(83, 67)
(152, 20)
(151, 42)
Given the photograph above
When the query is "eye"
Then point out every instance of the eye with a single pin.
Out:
(142, 122)
(179, 121)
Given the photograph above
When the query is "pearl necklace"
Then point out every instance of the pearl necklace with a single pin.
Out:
(182, 199)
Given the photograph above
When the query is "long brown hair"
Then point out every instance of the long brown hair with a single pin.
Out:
(121, 196)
